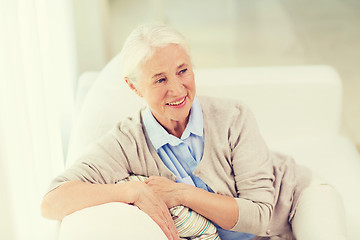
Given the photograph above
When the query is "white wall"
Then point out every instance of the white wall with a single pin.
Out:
(90, 32)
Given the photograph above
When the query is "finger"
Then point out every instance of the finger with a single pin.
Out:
(170, 223)
(167, 219)
(169, 229)
(159, 216)
(163, 226)
(156, 208)
(173, 229)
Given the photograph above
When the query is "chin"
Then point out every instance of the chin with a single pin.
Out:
(181, 116)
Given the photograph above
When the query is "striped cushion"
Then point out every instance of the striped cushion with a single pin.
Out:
(190, 224)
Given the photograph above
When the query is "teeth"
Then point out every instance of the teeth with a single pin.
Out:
(177, 103)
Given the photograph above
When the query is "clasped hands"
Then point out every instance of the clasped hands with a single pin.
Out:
(155, 197)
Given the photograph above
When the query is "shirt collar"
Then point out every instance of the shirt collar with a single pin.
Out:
(195, 124)
(159, 136)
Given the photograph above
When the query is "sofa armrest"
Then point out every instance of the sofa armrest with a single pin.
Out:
(110, 221)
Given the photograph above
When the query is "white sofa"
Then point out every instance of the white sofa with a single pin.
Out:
(298, 109)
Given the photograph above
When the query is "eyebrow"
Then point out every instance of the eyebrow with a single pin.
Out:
(181, 65)
(157, 75)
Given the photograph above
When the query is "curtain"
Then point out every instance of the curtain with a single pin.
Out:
(37, 70)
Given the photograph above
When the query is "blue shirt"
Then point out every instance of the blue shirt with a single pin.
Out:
(182, 155)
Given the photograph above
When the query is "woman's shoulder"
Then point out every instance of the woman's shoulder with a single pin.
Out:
(130, 127)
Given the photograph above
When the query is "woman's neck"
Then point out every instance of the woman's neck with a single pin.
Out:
(176, 128)
(177, 131)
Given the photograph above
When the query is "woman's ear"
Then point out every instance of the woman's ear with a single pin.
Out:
(132, 86)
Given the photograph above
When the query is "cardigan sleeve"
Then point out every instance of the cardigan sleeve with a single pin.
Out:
(104, 162)
(253, 173)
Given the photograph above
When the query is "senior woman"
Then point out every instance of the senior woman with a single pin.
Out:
(200, 152)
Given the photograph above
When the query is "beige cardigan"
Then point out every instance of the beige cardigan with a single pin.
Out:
(236, 162)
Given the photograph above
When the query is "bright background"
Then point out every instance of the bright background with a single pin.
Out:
(226, 33)
(45, 45)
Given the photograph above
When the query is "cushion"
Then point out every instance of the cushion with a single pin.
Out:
(108, 100)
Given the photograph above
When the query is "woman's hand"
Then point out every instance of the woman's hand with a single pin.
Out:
(223, 210)
(146, 200)
(166, 189)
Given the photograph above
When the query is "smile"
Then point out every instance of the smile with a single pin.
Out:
(177, 102)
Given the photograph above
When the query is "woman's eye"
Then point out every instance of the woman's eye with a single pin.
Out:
(160, 80)
(183, 71)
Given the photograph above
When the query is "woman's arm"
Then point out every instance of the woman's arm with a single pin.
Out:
(222, 210)
(76, 195)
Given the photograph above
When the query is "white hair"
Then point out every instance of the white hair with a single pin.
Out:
(142, 43)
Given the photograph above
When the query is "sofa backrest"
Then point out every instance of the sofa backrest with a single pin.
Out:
(289, 102)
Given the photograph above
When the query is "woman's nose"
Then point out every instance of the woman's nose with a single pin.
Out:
(175, 86)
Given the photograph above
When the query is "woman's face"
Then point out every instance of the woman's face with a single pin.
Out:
(167, 85)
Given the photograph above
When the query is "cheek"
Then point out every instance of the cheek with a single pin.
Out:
(157, 96)
(190, 82)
